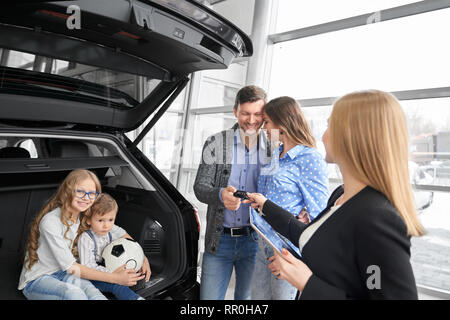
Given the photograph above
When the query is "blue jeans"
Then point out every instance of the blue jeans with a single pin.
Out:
(61, 286)
(238, 252)
(265, 285)
(119, 291)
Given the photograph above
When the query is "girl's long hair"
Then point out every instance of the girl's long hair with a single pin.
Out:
(61, 199)
(368, 133)
(285, 113)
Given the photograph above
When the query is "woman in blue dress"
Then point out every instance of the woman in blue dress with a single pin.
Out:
(296, 180)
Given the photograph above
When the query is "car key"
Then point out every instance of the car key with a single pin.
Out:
(241, 194)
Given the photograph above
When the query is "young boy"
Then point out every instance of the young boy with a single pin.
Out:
(99, 230)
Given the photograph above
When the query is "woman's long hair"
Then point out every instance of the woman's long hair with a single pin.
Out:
(61, 199)
(368, 133)
(285, 113)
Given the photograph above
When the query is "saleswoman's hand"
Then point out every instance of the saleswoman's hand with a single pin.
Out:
(286, 266)
(257, 200)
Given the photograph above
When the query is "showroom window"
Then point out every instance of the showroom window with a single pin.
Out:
(294, 14)
(400, 54)
(162, 145)
(219, 87)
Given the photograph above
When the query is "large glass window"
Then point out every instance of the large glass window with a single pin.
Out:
(68, 80)
(295, 14)
(429, 129)
(401, 54)
(219, 87)
(179, 103)
(163, 144)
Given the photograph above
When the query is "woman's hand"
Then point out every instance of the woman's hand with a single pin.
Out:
(145, 269)
(304, 217)
(257, 200)
(127, 277)
(286, 266)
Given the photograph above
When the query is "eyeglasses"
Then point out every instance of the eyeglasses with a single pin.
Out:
(92, 195)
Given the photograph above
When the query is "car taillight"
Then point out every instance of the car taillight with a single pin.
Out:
(55, 14)
(197, 218)
(129, 35)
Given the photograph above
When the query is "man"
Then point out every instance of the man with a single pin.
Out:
(231, 160)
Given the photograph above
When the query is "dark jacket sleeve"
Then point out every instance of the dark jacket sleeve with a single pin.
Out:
(283, 222)
(204, 186)
(318, 289)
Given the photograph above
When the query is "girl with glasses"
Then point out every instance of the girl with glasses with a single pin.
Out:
(50, 270)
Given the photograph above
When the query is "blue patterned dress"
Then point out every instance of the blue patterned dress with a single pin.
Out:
(298, 180)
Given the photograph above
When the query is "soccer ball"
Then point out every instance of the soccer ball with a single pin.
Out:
(123, 251)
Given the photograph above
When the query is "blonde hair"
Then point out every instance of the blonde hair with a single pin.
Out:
(285, 113)
(61, 199)
(368, 133)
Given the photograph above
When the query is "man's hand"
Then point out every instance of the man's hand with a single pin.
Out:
(230, 201)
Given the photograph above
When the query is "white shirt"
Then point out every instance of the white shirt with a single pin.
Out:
(86, 248)
(54, 251)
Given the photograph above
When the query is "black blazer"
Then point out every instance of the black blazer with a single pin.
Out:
(362, 251)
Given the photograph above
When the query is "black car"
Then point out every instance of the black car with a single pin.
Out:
(75, 77)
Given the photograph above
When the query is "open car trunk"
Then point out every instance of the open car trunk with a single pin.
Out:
(145, 211)
(160, 41)
(72, 94)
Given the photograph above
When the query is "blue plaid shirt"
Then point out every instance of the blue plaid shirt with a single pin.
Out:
(298, 180)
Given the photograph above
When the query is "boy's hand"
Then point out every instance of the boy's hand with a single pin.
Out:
(145, 269)
(127, 277)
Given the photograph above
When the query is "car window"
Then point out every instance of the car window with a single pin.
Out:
(73, 81)
(29, 145)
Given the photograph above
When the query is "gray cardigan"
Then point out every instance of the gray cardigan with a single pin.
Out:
(212, 175)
